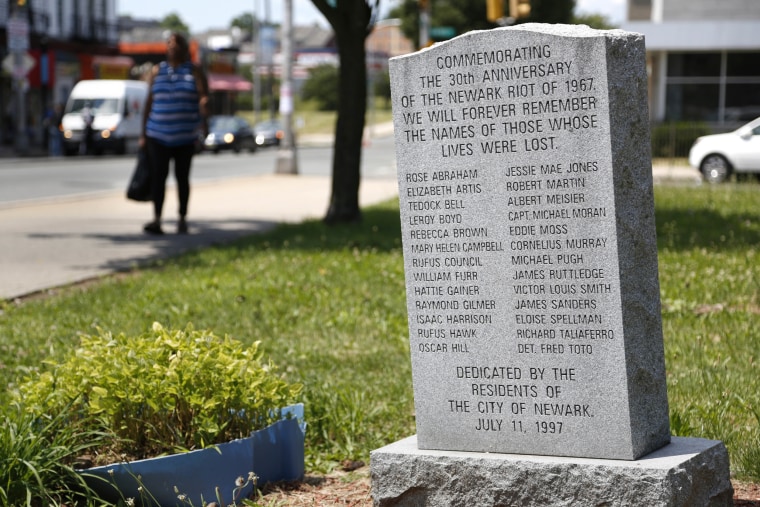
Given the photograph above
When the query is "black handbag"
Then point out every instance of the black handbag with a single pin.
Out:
(139, 185)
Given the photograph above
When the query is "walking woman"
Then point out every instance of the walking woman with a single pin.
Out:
(175, 112)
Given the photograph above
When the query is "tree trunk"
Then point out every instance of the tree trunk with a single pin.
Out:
(349, 129)
(352, 21)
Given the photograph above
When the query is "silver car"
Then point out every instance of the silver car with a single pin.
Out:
(719, 156)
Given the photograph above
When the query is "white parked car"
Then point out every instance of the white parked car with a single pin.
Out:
(720, 155)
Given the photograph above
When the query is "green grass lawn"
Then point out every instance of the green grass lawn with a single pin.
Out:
(709, 262)
(328, 304)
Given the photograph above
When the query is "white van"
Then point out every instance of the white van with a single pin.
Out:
(116, 107)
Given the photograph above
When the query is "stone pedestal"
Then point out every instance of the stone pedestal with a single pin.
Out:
(689, 472)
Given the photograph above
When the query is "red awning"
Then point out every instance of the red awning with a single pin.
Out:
(115, 61)
(228, 83)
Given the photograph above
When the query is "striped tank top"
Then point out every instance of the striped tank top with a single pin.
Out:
(175, 117)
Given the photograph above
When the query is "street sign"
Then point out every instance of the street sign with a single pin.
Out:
(439, 33)
(18, 34)
(18, 65)
(8, 64)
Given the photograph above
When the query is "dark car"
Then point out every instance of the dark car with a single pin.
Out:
(229, 133)
(269, 133)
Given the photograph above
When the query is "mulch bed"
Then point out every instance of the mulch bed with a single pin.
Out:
(746, 494)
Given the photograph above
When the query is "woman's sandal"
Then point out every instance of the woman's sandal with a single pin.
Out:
(153, 228)
(182, 226)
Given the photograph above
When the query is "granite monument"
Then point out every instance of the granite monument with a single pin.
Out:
(530, 255)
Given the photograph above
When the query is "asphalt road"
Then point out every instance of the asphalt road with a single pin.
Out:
(63, 221)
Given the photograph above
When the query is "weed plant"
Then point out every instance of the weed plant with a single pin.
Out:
(37, 456)
(329, 306)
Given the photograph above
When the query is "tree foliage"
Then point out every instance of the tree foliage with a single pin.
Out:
(597, 21)
(322, 87)
(462, 15)
(468, 15)
(550, 11)
(174, 23)
(245, 22)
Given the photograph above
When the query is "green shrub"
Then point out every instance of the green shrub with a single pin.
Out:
(165, 390)
(674, 139)
(382, 87)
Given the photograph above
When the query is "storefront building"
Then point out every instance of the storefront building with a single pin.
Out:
(703, 59)
(61, 42)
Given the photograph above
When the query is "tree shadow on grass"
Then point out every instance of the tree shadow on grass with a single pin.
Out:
(683, 230)
(379, 230)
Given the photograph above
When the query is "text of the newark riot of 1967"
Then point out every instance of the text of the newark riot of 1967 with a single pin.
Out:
(516, 109)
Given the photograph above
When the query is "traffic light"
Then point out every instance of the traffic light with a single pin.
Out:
(494, 10)
(519, 9)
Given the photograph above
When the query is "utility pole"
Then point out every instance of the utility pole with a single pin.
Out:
(270, 59)
(256, 41)
(425, 11)
(286, 156)
(18, 43)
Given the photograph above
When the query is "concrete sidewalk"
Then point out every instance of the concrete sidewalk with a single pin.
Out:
(60, 242)
(676, 174)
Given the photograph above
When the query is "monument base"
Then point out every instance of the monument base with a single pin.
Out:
(689, 472)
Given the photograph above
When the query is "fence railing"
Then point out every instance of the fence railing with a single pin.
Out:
(672, 140)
